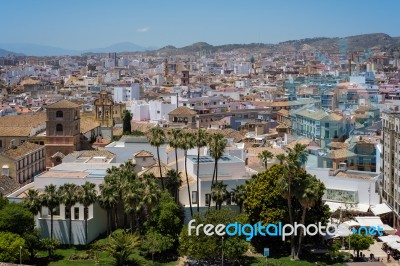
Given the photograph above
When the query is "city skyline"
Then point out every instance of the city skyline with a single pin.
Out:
(83, 25)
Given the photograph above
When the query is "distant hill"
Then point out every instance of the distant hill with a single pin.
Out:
(358, 43)
(5, 52)
(43, 50)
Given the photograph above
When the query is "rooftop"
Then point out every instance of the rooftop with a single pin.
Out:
(21, 150)
(62, 104)
(182, 110)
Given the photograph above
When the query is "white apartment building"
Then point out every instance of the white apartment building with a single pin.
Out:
(122, 94)
(78, 171)
(390, 164)
(242, 68)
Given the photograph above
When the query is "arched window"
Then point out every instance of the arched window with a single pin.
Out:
(59, 128)
(59, 114)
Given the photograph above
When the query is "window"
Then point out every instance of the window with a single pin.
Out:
(67, 213)
(76, 213)
(326, 124)
(59, 128)
(1, 143)
(22, 141)
(194, 197)
(208, 199)
(56, 211)
(5, 170)
(59, 114)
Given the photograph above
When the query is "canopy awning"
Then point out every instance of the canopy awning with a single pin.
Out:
(380, 209)
(388, 229)
(333, 206)
(391, 238)
(369, 221)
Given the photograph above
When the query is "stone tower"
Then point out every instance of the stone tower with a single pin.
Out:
(62, 131)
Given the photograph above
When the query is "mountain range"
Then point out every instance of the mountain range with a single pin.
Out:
(43, 50)
(374, 42)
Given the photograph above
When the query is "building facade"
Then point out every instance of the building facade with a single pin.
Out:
(62, 131)
(390, 165)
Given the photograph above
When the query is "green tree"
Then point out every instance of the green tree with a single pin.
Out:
(234, 248)
(51, 200)
(311, 190)
(10, 247)
(239, 195)
(264, 201)
(360, 242)
(281, 158)
(154, 242)
(174, 138)
(217, 144)
(69, 197)
(200, 141)
(187, 143)
(33, 201)
(167, 217)
(121, 245)
(15, 218)
(219, 194)
(203, 247)
(87, 196)
(50, 245)
(126, 122)
(3, 202)
(156, 138)
(264, 156)
(108, 200)
(172, 183)
(32, 243)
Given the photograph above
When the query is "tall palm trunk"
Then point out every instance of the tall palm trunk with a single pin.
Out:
(198, 172)
(159, 166)
(86, 224)
(51, 224)
(292, 246)
(70, 226)
(176, 160)
(212, 182)
(303, 219)
(188, 188)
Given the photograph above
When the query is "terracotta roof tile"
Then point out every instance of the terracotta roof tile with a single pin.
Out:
(7, 185)
(182, 110)
(62, 104)
(155, 170)
(143, 153)
(21, 150)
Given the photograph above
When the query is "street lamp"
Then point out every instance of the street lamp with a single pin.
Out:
(20, 255)
(222, 262)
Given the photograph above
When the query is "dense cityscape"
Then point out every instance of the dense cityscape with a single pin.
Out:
(232, 154)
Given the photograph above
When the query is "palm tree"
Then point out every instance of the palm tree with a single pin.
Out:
(68, 196)
(87, 196)
(312, 191)
(281, 157)
(239, 195)
(217, 144)
(187, 143)
(173, 182)
(264, 156)
(200, 141)
(33, 201)
(301, 154)
(174, 137)
(51, 200)
(156, 138)
(108, 200)
(131, 200)
(150, 194)
(219, 194)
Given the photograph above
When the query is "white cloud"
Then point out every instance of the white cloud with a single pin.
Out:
(143, 29)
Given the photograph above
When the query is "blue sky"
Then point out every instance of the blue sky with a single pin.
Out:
(84, 24)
